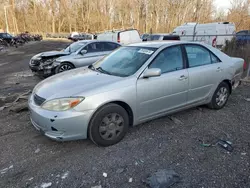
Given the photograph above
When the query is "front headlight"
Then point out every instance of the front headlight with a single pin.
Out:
(37, 57)
(62, 104)
(49, 61)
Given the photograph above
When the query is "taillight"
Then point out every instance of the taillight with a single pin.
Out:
(245, 65)
(118, 38)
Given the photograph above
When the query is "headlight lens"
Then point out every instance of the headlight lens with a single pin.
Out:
(62, 104)
(49, 61)
(37, 57)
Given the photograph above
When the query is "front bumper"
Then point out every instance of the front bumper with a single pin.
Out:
(60, 126)
(43, 70)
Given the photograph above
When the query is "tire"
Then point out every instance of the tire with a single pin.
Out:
(64, 67)
(108, 125)
(218, 102)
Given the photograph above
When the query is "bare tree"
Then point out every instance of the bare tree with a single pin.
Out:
(97, 15)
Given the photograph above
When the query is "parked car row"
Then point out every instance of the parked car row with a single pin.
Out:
(7, 39)
(75, 36)
(83, 52)
(125, 85)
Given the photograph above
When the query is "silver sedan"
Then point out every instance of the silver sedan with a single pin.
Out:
(132, 85)
(78, 54)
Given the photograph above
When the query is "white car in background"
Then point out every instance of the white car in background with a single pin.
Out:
(123, 37)
(215, 34)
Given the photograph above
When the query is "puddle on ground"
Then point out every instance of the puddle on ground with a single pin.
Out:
(16, 53)
(2, 64)
(19, 77)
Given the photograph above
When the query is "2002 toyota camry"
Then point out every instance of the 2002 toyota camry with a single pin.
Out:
(133, 84)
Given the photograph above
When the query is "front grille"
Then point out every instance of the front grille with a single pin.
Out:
(38, 100)
(35, 62)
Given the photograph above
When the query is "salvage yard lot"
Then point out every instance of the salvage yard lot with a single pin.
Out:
(28, 159)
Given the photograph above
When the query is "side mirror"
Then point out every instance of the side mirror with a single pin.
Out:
(83, 52)
(154, 72)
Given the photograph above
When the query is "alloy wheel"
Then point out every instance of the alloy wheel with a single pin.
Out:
(65, 67)
(221, 96)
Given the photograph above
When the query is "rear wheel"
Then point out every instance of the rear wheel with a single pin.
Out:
(64, 67)
(109, 125)
(220, 96)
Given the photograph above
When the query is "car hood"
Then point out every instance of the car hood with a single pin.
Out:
(77, 82)
(54, 53)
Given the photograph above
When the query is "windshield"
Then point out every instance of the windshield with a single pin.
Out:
(125, 61)
(74, 47)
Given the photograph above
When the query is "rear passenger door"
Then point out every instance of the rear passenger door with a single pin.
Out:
(205, 72)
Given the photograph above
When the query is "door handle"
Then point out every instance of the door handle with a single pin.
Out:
(218, 69)
(182, 77)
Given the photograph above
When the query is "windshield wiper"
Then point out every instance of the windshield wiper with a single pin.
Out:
(100, 69)
(92, 67)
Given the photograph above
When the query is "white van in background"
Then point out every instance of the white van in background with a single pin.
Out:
(210, 33)
(121, 36)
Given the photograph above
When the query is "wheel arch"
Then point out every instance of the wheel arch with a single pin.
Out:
(120, 103)
(68, 63)
(229, 83)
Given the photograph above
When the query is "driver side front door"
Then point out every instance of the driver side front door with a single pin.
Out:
(158, 95)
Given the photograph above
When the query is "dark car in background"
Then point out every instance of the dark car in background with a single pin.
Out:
(243, 37)
(157, 37)
(7, 40)
(81, 36)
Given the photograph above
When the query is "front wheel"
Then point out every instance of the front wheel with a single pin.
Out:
(64, 67)
(220, 96)
(109, 125)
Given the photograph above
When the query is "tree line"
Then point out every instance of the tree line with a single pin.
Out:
(162, 16)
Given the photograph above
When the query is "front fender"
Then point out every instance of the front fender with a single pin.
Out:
(126, 95)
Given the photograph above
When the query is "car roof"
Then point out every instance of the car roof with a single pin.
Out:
(90, 41)
(159, 44)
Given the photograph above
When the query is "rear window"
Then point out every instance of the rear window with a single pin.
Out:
(169, 37)
(242, 33)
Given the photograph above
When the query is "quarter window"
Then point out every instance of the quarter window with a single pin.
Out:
(215, 59)
(169, 60)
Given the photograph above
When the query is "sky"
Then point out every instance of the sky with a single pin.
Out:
(222, 4)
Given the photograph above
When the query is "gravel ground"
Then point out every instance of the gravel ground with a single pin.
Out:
(28, 159)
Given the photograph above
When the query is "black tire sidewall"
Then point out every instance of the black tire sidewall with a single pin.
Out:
(213, 103)
(93, 130)
(58, 67)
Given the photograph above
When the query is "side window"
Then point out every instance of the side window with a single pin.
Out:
(168, 60)
(94, 47)
(197, 56)
(99, 46)
(108, 46)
